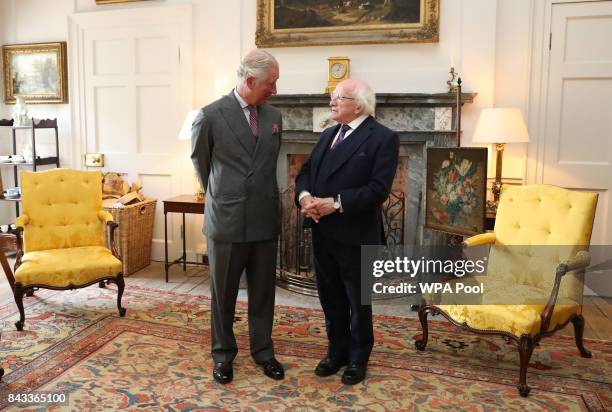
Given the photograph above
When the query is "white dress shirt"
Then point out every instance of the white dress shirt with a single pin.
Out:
(244, 105)
(353, 125)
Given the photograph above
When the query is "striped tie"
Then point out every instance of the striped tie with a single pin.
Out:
(253, 121)
(340, 138)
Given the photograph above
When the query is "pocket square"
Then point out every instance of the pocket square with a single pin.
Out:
(275, 128)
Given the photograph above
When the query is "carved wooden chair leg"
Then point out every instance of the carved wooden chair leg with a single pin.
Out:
(422, 343)
(526, 346)
(2, 370)
(120, 287)
(18, 293)
(29, 292)
(578, 322)
(102, 284)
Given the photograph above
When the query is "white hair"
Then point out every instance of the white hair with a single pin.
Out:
(256, 64)
(366, 98)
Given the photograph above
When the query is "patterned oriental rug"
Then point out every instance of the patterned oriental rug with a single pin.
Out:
(157, 358)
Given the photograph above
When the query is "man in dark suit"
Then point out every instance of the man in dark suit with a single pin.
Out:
(341, 188)
(235, 145)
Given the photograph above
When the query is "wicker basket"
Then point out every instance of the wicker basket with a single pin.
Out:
(135, 233)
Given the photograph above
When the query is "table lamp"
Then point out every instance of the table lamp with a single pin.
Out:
(185, 134)
(500, 126)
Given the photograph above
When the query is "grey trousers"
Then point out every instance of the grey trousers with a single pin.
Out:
(227, 262)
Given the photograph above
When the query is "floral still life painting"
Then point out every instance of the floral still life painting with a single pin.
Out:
(456, 190)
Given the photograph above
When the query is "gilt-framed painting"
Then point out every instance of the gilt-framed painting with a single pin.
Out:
(37, 71)
(115, 1)
(456, 188)
(286, 23)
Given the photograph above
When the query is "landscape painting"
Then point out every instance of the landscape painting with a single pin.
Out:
(37, 72)
(294, 14)
(283, 23)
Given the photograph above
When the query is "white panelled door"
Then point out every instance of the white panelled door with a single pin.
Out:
(134, 87)
(577, 151)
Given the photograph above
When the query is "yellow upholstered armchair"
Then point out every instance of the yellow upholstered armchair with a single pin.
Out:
(533, 284)
(61, 236)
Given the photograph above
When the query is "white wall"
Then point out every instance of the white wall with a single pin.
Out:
(34, 21)
(5, 16)
(488, 41)
(512, 70)
(225, 29)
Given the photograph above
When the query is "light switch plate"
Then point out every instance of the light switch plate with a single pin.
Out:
(93, 159)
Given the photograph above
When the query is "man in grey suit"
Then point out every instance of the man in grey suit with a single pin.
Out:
(235, 145)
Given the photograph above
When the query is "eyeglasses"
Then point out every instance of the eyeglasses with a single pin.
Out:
(336, 96)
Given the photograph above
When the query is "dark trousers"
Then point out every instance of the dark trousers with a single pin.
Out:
(227, 262)
(347, 321)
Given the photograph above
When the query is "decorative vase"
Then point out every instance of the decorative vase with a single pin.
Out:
(20, 112)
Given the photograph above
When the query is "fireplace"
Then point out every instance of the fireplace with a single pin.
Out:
(421, 120)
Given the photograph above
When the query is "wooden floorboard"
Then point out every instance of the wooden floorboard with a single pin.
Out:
(597, 324)
(604, 305)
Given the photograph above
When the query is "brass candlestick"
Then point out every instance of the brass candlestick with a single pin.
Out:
(452, 85)
(497, 185)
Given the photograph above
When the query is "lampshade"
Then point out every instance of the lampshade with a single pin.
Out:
(185, 133)
(501, 125)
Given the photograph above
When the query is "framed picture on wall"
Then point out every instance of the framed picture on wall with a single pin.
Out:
(456, 189)
(285, 23)
(37, 72)
(115, 1)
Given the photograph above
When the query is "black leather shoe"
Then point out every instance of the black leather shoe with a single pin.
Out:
(273, 369)
(354, 373)
(223, 372)
(329, 366)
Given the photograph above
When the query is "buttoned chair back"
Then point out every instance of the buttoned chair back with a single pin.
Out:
(63, 207)
(543, 226)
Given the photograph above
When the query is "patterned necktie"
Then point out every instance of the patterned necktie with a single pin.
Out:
(343, 130)
(253, 121)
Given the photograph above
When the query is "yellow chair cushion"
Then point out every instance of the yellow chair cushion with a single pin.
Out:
(63, 208)
(62, 267)
(514, 319)
(507, 306)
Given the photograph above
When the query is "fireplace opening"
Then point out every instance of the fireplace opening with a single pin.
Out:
(295, 269)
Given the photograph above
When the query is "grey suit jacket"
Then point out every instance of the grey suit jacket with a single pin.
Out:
(237, 171)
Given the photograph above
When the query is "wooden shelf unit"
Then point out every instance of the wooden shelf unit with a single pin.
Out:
(36, 124)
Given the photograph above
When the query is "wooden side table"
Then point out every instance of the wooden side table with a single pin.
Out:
(181, 204)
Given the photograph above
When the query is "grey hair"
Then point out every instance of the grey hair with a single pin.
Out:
(366, 98)
(255, 64)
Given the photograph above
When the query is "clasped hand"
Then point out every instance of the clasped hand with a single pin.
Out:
(317, 207)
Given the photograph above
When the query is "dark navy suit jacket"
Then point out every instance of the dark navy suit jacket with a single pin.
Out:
(361, 169)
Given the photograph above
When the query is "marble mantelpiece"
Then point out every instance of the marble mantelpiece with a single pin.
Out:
(406, 113)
